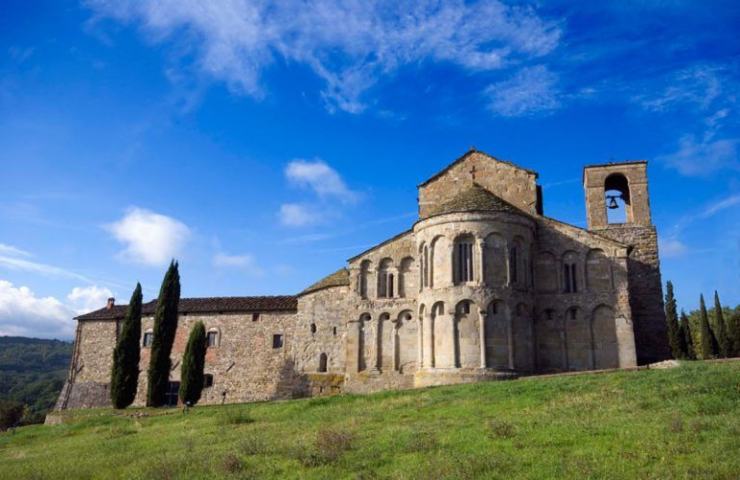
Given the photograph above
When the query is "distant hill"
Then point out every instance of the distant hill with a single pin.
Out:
(32, 371)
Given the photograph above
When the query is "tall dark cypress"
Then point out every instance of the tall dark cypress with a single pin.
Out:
(671, 318)
(193, 363)
(706, 334)
(687, 343)
(723, 339)
(125, 371)
(165, 325)
(735, 328)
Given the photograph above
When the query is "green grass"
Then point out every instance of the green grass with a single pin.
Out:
(678, 423)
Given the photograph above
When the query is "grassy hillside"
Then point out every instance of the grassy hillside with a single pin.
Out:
(679, 423)
(32, 371)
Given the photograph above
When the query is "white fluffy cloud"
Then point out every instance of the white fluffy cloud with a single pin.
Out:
(150, 238)
(244, 262)
(87, 299)
(23, 313)
(672, 247)
(350, 45)
(299, 215)
(531, 90)
(320, 177)
(702, 156)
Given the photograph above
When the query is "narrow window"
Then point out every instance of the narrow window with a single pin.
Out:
(573, 282)
(389, 283)
(322, 362)
(335, 331)
(313, 328)
(148, 339)
(513, 274)
(212, 339)
(255, 316)
(207, 380)
(277, 341)
(463, 261)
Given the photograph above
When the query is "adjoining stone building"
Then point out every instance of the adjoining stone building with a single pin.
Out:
(482, 286)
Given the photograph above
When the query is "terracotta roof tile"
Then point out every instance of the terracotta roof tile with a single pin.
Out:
(474, 199)
(283, 303)
(340, 278)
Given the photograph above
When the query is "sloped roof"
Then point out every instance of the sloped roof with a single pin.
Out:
(340, 278)
(205, 305)
(466, 155)
(474, 199)
(384, 242)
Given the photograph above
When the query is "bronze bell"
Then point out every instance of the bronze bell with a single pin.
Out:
(612, 203)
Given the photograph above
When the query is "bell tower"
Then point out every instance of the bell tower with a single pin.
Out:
(618, 207)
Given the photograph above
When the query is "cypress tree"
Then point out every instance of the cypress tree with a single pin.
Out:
(193, 362)
(735, 328)
(672, 320)
(687, 343)
(125, 371)
(165, 325)
(723, 340)
(706, 333)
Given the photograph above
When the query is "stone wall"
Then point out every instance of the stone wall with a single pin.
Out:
(244, 364)
(514, 184)
(328, 311)
(645, 290)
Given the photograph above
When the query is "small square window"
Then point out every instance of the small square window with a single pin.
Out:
(255, 317)
(277, 341)
(212, 338)
(207, 380)
(148, 339)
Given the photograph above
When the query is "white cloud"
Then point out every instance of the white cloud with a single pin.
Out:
(702, 157)
(349, 45)
(88, 299)
(531, 90)
(672, 247)
(22, 313)
(150, 238)
(720, 205)
(698, 86)
(320, 177)
(299, 215)
(244, 262)
(13, 251)
(13, 263)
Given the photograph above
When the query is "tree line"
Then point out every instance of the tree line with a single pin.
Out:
(702, 334)
(126, 355)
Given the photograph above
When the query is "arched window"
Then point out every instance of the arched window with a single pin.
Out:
(463, 259)
(364, 274)
(323, 359)
(148, 339)
(513, 260)
(212, 338)
(385, 279)
(406, 283)
(571, 282)
(617, 199)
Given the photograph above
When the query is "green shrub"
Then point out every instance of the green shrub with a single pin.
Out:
(11, 414)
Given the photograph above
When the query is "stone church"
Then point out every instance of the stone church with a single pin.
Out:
(482, 286)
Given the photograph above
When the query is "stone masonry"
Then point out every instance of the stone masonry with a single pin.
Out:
(483, 286)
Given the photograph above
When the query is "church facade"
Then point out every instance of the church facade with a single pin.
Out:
(483, 286)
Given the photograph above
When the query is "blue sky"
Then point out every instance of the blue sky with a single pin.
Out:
(264, 144)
